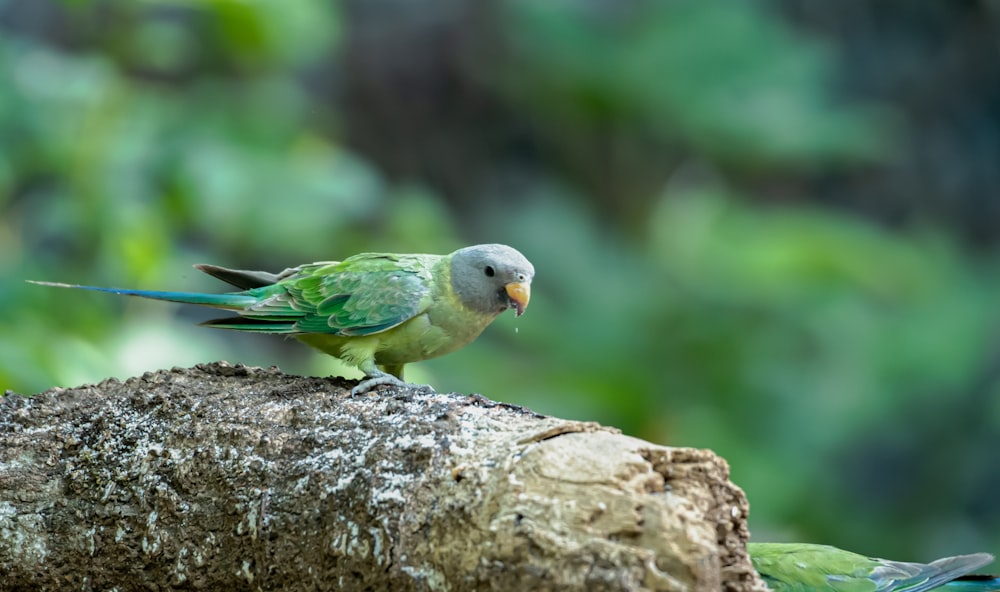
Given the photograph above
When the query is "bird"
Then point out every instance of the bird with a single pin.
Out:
(375, 311)
(787, 567)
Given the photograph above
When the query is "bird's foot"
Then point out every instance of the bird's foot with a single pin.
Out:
(381, 378)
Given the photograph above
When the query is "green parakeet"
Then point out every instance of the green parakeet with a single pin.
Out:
(376, 311)
(801, 567)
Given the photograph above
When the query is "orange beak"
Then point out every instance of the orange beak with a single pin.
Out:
(520, 294)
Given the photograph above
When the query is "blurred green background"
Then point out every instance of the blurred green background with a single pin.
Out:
(766, 228)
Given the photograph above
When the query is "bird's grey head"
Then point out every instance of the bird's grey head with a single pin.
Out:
(492, 278)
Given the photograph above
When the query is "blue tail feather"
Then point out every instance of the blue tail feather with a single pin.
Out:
(974, 584)
(231, 301)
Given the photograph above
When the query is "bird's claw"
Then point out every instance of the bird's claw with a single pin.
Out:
(370, 383)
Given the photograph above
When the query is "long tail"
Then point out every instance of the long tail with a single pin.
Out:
(231, 301)
(949, 571)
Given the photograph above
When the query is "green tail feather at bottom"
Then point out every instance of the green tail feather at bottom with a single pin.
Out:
(262, 325)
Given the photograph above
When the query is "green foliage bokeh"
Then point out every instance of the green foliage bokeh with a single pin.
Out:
(848, 372)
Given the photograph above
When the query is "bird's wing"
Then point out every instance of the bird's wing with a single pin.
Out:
(362, 295)
(792, 566)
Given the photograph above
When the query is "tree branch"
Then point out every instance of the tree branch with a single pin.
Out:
(226, 477)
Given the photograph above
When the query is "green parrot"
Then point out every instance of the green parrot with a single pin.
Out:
(801, 567)
(376, 311)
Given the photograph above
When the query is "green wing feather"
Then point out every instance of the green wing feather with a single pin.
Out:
(362, 295)
(804, 567)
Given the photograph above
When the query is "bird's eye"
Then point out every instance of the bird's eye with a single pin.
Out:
(489, 271)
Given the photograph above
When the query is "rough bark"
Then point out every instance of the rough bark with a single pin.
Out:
(227, 477)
